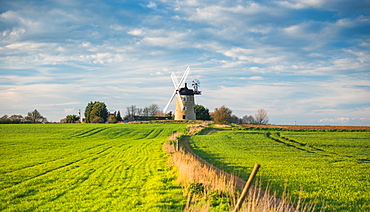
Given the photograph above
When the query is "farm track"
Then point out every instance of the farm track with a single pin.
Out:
(34, 166)
(89, 132)
(59, 158)
(154, 133)
(64, 165)
(311, 149)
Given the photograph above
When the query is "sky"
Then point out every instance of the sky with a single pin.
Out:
(303, 61)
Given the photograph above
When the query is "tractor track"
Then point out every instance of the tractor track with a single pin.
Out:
(21, 181)
(310, 149)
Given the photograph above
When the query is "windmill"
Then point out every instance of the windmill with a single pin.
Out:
(184, 97)
(196, 84)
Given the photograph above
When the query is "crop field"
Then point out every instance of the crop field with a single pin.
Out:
(311, 127)
(329, 169)
(87, 167)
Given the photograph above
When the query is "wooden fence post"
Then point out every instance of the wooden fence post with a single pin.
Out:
(246, 188)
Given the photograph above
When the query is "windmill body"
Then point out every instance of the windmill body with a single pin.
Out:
(185, 110)
(185, 101)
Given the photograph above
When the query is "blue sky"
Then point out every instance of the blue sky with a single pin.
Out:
(303, 61)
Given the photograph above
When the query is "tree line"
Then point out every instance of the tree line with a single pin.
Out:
(150, 111)
(32, 117)
(97, 112)
(223, 115)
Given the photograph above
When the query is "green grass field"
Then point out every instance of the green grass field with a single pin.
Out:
(332, 169)
(87, 167)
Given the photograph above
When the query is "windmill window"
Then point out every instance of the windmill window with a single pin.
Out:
(184, 99)
(184, 108)
(184, 116)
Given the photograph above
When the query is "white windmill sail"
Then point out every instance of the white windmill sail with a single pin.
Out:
(174, 79)
(177, 86)
(176, 83)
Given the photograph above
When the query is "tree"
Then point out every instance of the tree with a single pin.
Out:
(146, 111)
(88, 111)
(5, 119)
(97, 119)
(159, 113)
(119, 117)
(261, 117)
(234, 119)
(96, 112)
(248, 119)
(13, 119)
(112, 119)
(35, 117)
(153, 109)
(170, 115)
(131, 112)
(99, 113)
(72, 119)
(16, 119)
(201, 113)
(139, 111)
(222, 115)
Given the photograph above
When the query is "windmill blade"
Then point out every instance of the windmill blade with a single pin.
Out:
(169, 102)
(174, 79)
(195, 81)
(177, 87)
(183, 77)
(180, 100)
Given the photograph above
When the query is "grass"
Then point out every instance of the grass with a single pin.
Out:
(209, 189)
(329, 168)
(87, 167)
(99, 167)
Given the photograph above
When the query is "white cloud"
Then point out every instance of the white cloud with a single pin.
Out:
(335, 120)
(259, 56)
(231, 64)
(13, 34)
(166, 39)
(152, 5)
(256, 78)
(362, 121)
(136, 32)
(117, 27)
(301, 4)
(27, 46)
(240, 15)
(69, 110)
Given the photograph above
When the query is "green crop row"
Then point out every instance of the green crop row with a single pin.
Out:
(330, 169)
(87, 167)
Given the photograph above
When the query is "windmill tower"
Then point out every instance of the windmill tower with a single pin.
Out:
(185, 101)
